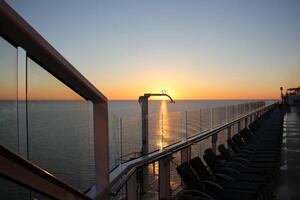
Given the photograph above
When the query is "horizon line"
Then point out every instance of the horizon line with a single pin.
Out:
(182, 99)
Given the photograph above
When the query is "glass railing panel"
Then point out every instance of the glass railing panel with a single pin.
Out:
(222, 139)
(193, 121)
(205, 119)
(131, 134)
(216, 116)
(219, 116)
(253, 106)
(242, 124)
(230, 113)
(198, 148)
(223, 115)
(234, 129)
(248, 108)
(155, 134)
(172, 128)
(241, 110)
(195, 150)
(9, 96)
(115, 145)
(205, 144)
(60, 128)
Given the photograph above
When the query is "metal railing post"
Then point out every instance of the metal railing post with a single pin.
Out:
(101, 145)
(162, 131)
(121, 140)
(186, 154)
(214, 139)
(226, 114)
(239, 126)
(229, 132)
(211, 118)
(164, 178)
(186, 125)
(200, 121)
(132, 187)
(246, 122)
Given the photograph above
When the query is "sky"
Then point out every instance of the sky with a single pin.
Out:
(193, 49)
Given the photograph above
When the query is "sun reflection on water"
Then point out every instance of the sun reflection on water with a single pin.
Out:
(163, 134)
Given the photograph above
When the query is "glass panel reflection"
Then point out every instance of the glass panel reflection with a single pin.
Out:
(8, 96)
(60, 139)
(114, 141)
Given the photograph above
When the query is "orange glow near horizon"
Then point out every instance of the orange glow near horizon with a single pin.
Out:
(197, 93)
(57, 92)
(181, 85)
(177, 84)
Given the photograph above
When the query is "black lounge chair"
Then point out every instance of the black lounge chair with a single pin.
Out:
(246, 160)
(249, 153)
(212, 190)
(233, 169)
(254, 165)
(226, 181)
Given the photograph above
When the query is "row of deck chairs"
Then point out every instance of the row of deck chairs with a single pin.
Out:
(248, 169)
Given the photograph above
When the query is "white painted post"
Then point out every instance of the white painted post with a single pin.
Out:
(214, 139)
(164, 178)
(132, 187)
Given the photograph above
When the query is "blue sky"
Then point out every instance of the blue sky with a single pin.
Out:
(194, 49)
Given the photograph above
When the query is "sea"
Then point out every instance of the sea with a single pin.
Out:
(58, 135)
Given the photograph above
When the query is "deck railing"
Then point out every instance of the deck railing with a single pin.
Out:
(161, 177)
(30, 157)
(168, 128)
(54, 122)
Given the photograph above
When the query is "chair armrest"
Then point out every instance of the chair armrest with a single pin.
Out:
(240, 159)
(251, 145)
(230, 170)
(225, 177)
(242, 155)
(247, 151)
(229, 164)
(237, 164)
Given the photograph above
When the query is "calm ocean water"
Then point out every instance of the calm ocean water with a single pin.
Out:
(125, 108)
(60, 137)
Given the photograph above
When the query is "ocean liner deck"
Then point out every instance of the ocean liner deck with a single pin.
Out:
(128, 180)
